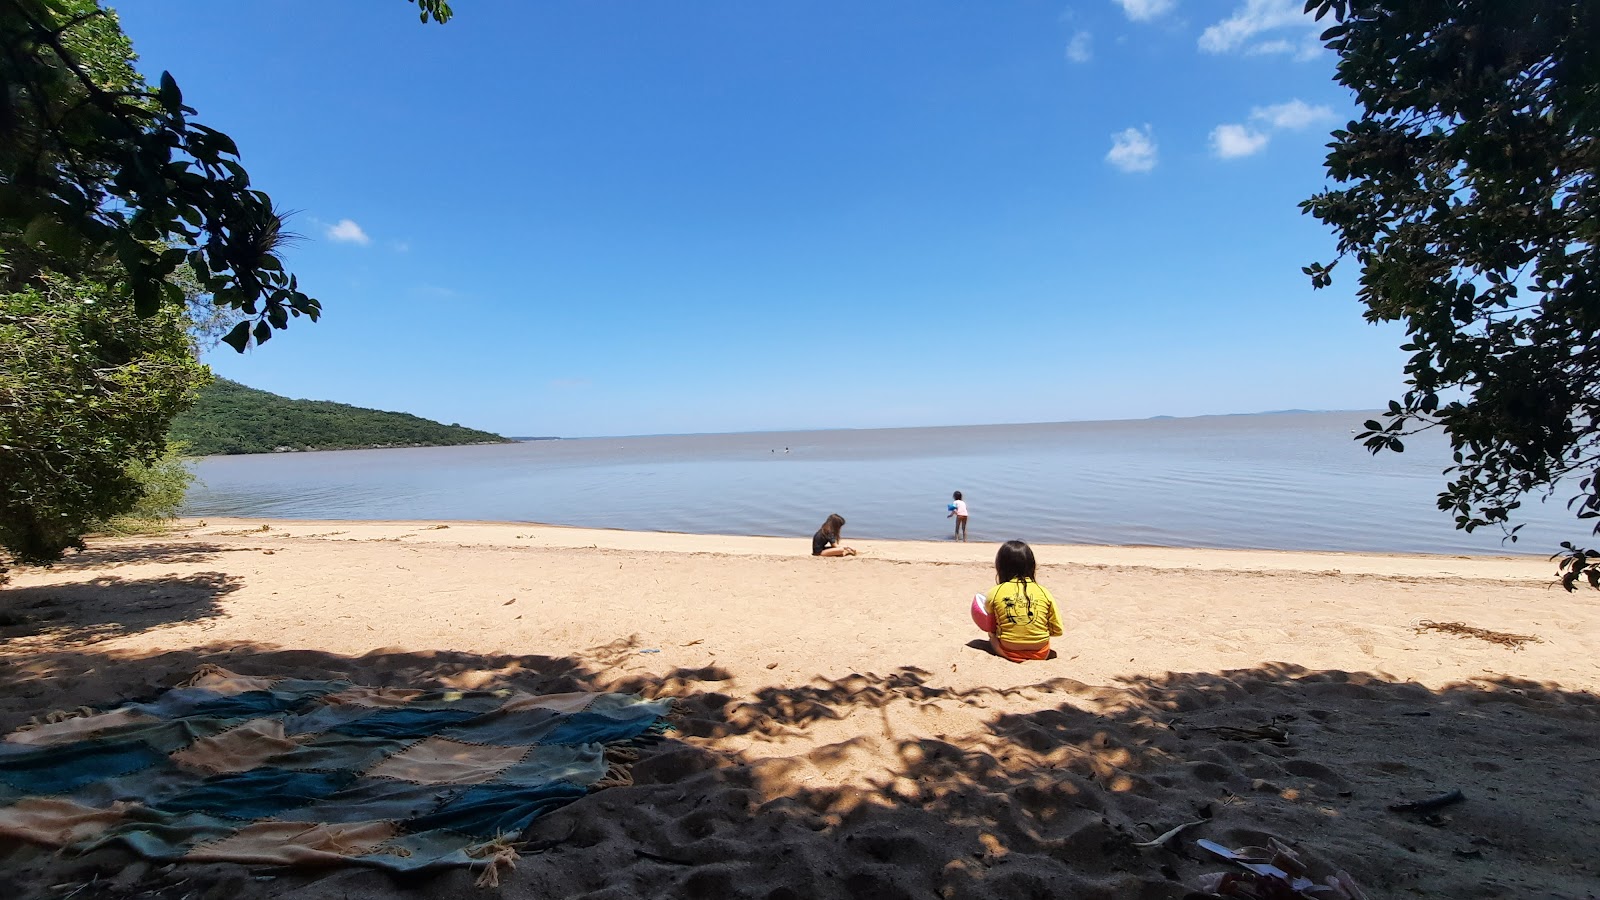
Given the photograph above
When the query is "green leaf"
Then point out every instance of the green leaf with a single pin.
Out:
(146, 298)
(262, 333)
(171, 98)
(239, 337)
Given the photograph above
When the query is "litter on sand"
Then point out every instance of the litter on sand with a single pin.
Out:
(1271, 873)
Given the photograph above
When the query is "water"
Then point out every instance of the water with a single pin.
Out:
(1288, 481)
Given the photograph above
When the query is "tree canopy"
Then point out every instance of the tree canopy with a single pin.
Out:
(1467, 193)
(87, 388)
(95, 164)
(111, 192)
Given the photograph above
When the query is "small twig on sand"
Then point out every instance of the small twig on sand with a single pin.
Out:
(1168, 835)
(1428, 805)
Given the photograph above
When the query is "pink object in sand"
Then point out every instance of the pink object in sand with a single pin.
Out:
(980, 613)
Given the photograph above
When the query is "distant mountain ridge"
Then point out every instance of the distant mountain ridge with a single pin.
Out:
(229, 418)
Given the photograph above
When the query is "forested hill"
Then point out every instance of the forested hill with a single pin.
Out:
(231, 418)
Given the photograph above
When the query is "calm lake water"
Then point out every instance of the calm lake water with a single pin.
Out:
(1284, 481)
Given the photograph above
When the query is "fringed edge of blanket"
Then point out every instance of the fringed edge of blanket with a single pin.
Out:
(206, 670)
(56, 716)
(495, 854)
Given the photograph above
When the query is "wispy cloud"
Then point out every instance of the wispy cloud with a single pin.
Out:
(1235, 141)
(1255, 18)
(1133, 150)
(1146, 10)
(1081, 48)
(1294, 115)
(346, 231)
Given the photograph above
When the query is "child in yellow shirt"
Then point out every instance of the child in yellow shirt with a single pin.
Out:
(1022, 615)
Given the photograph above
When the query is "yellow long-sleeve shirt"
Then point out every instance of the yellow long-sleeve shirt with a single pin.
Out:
(1024, 613)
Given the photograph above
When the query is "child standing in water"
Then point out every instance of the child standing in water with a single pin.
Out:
(958, 509)
(1022, 615)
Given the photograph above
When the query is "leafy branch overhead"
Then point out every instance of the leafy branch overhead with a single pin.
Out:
(95, 164)
(1467, 193)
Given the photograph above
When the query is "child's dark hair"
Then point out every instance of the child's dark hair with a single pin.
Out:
(956, 496)
(1015, 560)
(832, 526)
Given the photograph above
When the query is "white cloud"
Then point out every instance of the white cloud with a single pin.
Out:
(348, 232)
(1146, 10)
(1294, 115)
(1133, 150)
(1259, 17)
(1235, 141)
(1081, 48)
(1270, 48)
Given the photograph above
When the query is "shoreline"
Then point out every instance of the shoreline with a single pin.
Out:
(1518, 568)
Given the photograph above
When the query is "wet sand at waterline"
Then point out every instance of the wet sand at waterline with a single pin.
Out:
(842, 735)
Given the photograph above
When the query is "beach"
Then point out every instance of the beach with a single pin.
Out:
(843, 732)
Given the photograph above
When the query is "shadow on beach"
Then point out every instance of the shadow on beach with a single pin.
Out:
(166, 551)
(110, 606)
(1048, 803)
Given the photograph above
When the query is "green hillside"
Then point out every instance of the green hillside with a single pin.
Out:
(231, 418)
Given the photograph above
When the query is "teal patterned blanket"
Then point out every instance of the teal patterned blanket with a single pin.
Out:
(286, 771)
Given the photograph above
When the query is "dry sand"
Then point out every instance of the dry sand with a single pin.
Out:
(845, 736)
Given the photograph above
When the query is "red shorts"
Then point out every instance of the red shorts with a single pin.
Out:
(1022, 652)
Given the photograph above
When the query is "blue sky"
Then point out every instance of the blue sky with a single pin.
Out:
(621, 218)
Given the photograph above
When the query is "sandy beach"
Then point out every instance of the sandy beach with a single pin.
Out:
(845, 734)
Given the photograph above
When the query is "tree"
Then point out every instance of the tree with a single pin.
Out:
(95, 164)
(110, 191)
(88, 390)
(1467, 192)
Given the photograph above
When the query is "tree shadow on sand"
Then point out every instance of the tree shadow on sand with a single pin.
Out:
(746, 802)
(170, 552)
(110, 606)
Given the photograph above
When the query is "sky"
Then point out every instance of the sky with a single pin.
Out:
(582, 218)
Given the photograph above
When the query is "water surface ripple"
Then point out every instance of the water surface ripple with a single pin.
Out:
(1288, 481)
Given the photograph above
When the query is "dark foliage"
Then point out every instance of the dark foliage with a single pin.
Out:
(1467, 193)
(87, 390)
(96, 165)
(231, 418)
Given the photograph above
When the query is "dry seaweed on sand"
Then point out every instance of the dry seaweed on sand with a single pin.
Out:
(1461, 629)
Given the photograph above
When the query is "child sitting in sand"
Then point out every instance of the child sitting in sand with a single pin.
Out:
(826, 541)
(1019, 614)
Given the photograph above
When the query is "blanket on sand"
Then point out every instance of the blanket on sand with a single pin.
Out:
(288, 772)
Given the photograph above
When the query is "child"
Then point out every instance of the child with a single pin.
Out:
(826, 541)
(1023, 615)
(958, 509)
